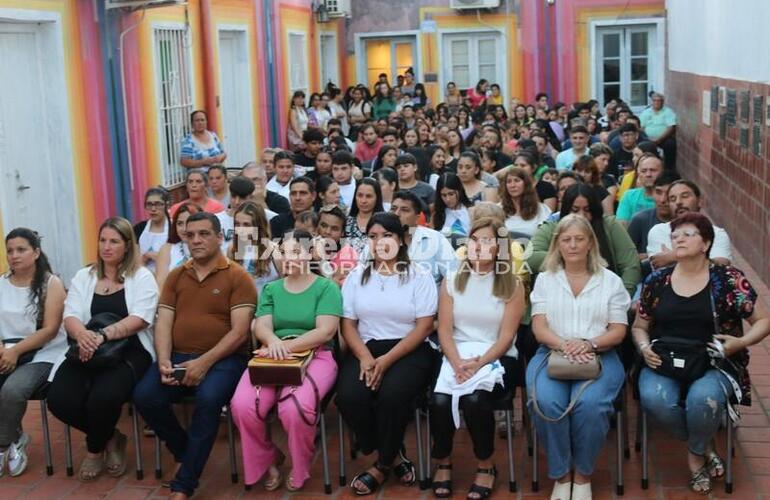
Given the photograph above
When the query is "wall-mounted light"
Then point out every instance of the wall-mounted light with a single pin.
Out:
(321, 13)
(550, 2)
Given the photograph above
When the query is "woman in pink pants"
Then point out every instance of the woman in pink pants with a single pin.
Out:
(298, 312)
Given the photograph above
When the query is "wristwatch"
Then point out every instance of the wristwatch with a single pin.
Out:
(103, 334)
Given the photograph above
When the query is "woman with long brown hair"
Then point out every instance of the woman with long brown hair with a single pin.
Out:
(251, 247)
(522, 207)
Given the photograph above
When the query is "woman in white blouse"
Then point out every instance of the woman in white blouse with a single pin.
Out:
(91, 399)
(479, 310)
(388, 310)
(31, 305)
(580, 309)
(522, 207)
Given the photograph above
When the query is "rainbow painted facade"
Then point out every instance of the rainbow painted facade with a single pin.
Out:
(95, 98)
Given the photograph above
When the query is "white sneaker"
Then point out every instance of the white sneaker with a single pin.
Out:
(17, 455)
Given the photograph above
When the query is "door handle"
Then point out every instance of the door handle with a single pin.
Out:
(23, 188)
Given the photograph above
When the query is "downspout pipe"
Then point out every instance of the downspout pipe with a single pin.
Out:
(270, 78)
(207, 38)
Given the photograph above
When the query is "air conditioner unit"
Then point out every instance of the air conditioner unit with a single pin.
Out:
(141, 4)
(337, 8)
(474, 4)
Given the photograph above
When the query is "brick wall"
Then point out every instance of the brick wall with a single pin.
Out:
(735, 181)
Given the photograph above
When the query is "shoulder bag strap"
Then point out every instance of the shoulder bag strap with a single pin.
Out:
(570, 406)
(317, 405)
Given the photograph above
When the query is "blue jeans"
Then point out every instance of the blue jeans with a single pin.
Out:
(577, 439)
(704, 405)
(192, 447)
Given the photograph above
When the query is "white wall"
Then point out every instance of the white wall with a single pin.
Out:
(723, 38)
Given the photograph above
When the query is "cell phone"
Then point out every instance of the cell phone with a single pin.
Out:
(179, 373)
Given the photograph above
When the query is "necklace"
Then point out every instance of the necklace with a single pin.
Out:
(381, 281)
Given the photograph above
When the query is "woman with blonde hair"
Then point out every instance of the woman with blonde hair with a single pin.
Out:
(579, 312)
(480, 306)
(112, 300)
(251, 247)
(519, 200)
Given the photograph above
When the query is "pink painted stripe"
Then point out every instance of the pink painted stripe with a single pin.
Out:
(99, 148)
(531, 43)
(282, 94)
(262, 79)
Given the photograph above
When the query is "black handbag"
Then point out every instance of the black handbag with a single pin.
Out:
(685, 360)
(109, 353)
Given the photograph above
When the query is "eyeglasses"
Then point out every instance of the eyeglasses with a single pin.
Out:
(689, 233)
(154, 204)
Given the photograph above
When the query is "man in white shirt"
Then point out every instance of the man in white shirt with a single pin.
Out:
(284, 173)
(342, 172)
(428, 248)
(683, 197)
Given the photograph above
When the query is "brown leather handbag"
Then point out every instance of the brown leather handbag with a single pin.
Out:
(290, 371)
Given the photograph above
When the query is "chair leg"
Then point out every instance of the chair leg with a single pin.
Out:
(621, 433)
(325, 456)
(425, 483)
(137, 443)
(638, 440)
(46, 439)
(535, 479)
(420, 458)
(645, 471)
(626, 440)
(68, 450)
(729, 465)
(231, 447)
(509, 439)
(158, 465)
(341, 425)
(526, 424)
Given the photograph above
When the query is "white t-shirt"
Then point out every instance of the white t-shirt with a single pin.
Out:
(17, 320)
(516, 224)
(602, 301)
(151, 242)
(385, 308)
(274, 186)
(476, 313)
(347, 193)
(660, 235)
(227, 222)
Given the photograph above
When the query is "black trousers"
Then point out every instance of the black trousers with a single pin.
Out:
(379, 418)
(91, 400)
(478, 411)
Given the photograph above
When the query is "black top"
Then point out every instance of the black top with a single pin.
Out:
(113, 303)
(281, 224)
(545, 190)
(277, 203)
(303, 160)
(640, 226)
(684, 317)
(620, 159)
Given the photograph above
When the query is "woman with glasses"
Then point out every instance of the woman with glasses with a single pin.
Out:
(704, 303)
(153, 232)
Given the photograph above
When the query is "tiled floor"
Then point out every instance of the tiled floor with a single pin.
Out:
(668, 469)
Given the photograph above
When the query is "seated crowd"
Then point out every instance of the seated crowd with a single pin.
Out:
(453, 252)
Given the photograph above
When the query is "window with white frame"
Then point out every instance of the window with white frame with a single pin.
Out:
(298, 62)
(469, 57)
(328, 49)
(175, 99)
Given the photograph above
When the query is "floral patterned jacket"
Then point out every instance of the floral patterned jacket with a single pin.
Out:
(734, 299)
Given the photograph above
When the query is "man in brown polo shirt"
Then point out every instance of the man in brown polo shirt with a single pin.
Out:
(203, 322)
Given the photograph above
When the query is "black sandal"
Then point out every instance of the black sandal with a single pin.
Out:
(482, 491)
(405, 467)
(368, 480)
(442, 485)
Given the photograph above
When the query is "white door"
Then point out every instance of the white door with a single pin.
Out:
(470, 57)
(625, 64)
(328, 49)
(235, 99)
(35, 168)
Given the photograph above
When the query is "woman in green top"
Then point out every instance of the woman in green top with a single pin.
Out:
(615, 245)
(384, 104)
(296, 313)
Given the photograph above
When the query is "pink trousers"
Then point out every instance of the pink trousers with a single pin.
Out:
(258, 450)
